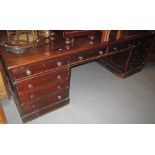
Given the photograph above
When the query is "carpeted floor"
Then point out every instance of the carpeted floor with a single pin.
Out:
(98, 96)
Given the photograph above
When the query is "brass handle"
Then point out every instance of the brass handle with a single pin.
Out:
(115, 48)
(80, 58)
(28, 72)
(101, 52)
(60, 49)
(30, 86)
(31, 96)
(59, 63)
(33, 106)
(59, 87)
(59, 97)
(59, 77)
(22, 104)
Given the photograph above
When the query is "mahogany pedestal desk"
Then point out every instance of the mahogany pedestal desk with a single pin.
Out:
(39, 80)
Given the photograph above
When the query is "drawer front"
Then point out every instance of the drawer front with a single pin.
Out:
(32, 106)
(53, 88)
(41, 80)
(83, 56)
(35, 68)
(114, 48)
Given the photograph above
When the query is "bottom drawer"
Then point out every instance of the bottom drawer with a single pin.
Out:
(35, 105)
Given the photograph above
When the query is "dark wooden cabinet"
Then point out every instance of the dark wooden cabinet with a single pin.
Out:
(132, 58)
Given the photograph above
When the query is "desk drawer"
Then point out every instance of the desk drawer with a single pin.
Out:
(53, 88)
(41, 80)
(35, 105)
(83, 56)
(35, 68)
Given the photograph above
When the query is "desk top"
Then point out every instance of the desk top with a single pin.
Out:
(57, 49)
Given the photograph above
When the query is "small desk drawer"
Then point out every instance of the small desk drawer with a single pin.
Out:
(35, 68)
(86, 55)
(41, 80)
(53, 88)
(35, 105)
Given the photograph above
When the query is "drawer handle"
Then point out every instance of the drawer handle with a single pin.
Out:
(59, 87)
(59, 97)
(100, 52)
(115, 48)
(30, 86)
(31, 96)
(80, 58)
(59, 63)
(59, 77)
(33, 106)
(22, 104)
(28, 72)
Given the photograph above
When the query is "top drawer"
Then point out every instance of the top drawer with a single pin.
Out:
(38, 67)
(81, 57)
